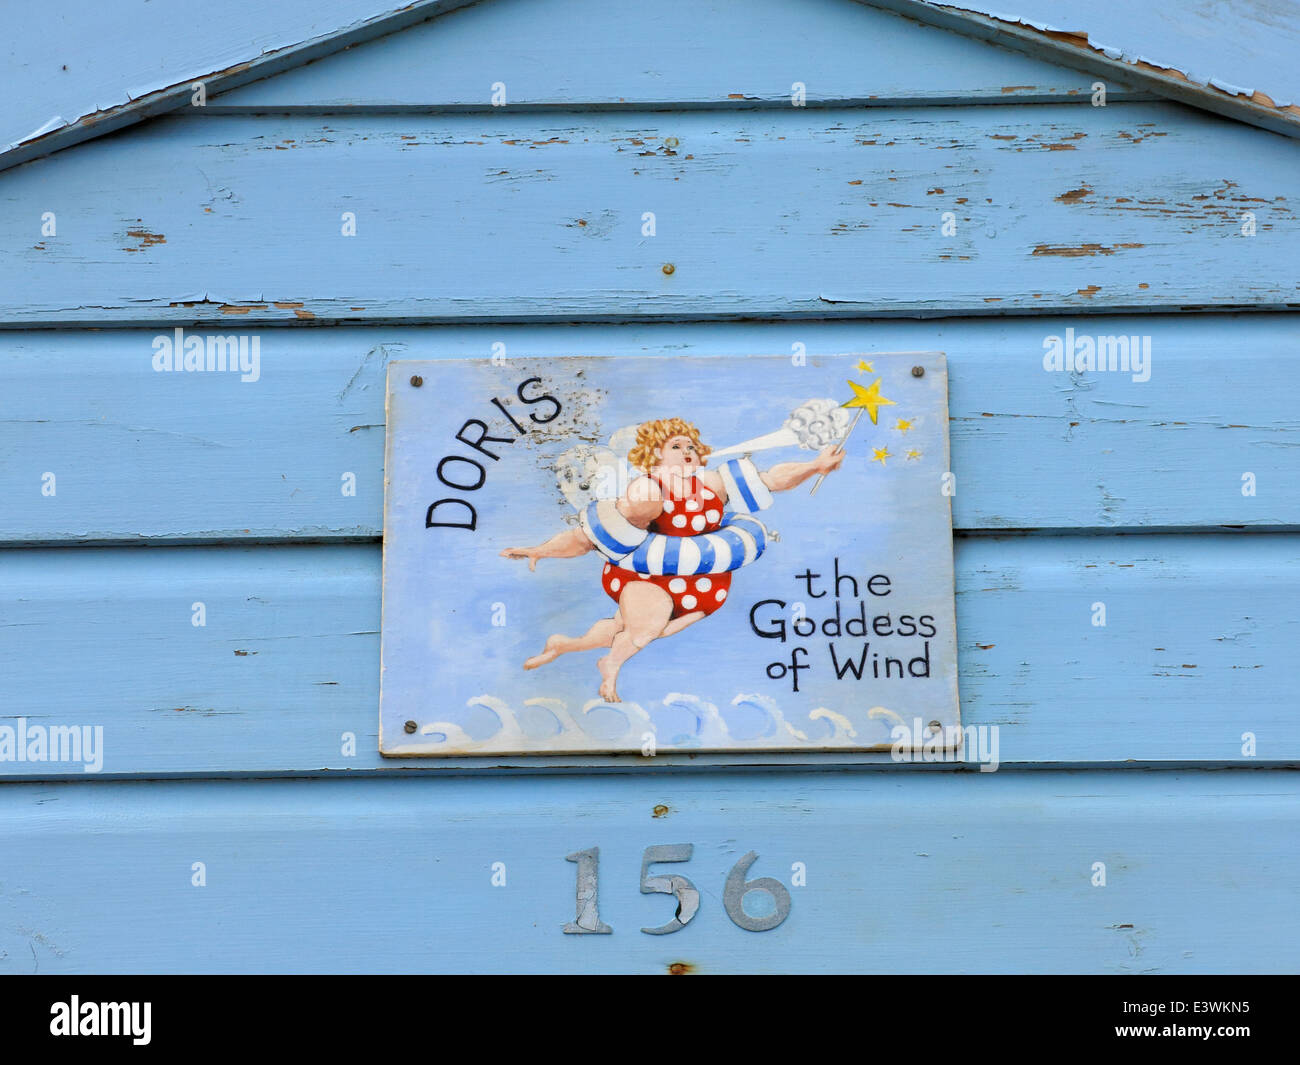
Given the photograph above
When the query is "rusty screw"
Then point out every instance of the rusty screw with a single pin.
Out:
(918, 371)
(669, 268)
(416, 382)
(410, 726)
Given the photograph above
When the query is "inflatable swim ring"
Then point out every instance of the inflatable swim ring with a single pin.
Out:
(739, 541)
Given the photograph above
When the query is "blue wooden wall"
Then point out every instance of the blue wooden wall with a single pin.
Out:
(228, 744)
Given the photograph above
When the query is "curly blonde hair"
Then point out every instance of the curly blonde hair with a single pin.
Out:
(650, 436)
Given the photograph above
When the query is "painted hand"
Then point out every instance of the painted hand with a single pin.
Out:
(529, 553)
(830, 459)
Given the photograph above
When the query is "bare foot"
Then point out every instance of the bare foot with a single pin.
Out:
(609, 674)
(522, 552)
(550, 654)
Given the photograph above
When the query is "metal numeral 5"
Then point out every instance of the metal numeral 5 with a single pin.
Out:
(688, 899)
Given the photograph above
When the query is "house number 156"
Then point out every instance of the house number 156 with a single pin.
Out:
(588, 922)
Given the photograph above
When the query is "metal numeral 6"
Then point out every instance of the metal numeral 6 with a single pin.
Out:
(737, 887)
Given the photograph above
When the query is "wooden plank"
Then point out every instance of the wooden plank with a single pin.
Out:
(1210, 59)
(923, 872)
(464, 218)
(113, 82)
(673, 53)
(1195, 653)
(140, 456)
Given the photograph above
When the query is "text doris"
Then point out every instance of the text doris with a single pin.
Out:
(478, 443)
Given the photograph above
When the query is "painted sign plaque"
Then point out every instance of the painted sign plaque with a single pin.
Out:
(652, 555)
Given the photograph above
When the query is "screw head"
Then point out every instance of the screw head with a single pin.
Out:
(416, 382)
(669, 268)
(410, 726)
(918, 371)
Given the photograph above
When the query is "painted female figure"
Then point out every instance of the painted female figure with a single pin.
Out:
(674, 499)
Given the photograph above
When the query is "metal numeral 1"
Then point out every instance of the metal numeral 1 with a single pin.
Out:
(588, 920)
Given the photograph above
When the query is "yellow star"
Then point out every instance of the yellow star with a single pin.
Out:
(869, 398)
(913, 454)
(879, 454)
(866, 367)
(902, 425)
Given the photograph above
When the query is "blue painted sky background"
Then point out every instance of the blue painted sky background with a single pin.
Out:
(441, 650)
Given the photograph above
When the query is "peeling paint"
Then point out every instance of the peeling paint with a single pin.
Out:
(135, 103)
(146, 239)
(1074, 195)
(1080, 42)
(1079, 250)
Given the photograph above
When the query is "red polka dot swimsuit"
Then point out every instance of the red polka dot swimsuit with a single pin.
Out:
(697, 511)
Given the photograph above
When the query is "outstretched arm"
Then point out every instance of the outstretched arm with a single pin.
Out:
(568, 544)
(787, 475)
(642, 503)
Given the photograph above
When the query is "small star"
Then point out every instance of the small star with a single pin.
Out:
(879, 454)
(866, 367)
(868, 398)
(902, 425)
(913, 454)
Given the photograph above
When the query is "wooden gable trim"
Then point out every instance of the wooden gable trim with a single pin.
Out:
(1074, 49)
(1069, 49)
(167, 98)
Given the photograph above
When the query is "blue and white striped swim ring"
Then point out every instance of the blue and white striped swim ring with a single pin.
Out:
(739, 541)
